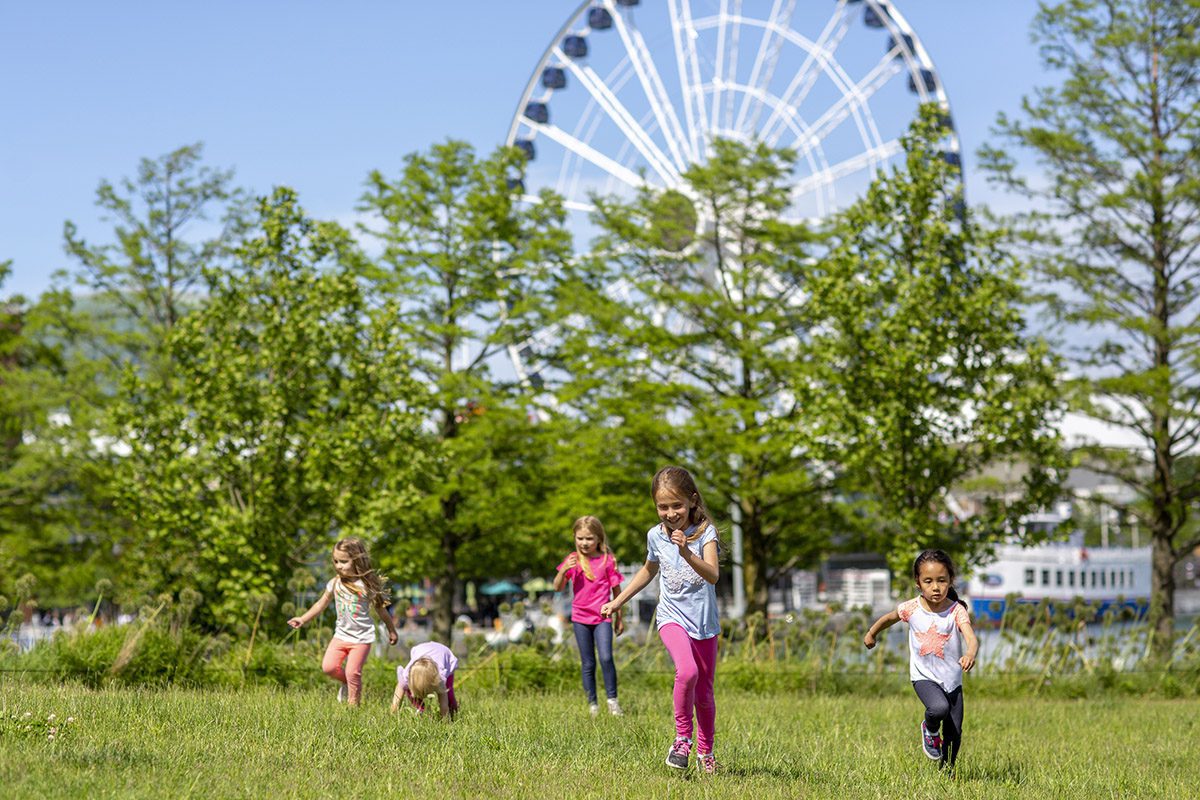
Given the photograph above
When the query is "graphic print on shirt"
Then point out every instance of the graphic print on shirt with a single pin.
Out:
(932, 642)
(348, 605)
(677, 577)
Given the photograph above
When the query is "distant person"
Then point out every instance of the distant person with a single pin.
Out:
(356, 589)
(430, 671)
(682, 548)
(937, 624)
(592, 572)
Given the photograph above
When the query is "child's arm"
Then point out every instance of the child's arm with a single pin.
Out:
(560, 580)
(707, 567)
(636, 584)
(397, 696)
(316, 609)
(443, 702)
(968, 632)
(618, 619)
(386, 617)
(883, 623)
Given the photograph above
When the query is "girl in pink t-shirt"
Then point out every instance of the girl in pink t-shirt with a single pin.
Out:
(938, 627)
(593, 574)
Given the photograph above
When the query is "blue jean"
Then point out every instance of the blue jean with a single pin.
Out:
(593, 638)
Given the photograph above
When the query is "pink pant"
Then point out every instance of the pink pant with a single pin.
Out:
(695, 668)
(355, 655)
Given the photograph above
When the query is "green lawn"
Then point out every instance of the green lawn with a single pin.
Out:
(302, 744)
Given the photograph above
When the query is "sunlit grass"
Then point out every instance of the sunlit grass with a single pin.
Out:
(302, 744)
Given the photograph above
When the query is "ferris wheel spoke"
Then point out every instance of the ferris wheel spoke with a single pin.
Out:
(819, 57)
(857, 96)
(570, 205)
(869, 159)
(685, 35)
(725, 70)
(588, 153)
(767, 57)
(620, 116)
(655, 91)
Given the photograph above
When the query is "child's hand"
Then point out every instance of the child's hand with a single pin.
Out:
(295, 622)
(869, 640)
(392, 637)
(607, 609)
(679, 539)
(618, 625)
(573, 561)
(966, 662)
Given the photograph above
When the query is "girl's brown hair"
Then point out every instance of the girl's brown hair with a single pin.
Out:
(423, 680)
(362, 570)
(593, 526)
(680, 482)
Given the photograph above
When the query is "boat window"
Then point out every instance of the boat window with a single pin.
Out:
(1058, 578)
(1029, 573)
(1071, 578)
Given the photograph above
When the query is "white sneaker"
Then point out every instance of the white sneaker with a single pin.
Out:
(614, 707)
(342, 693)
(593, 709)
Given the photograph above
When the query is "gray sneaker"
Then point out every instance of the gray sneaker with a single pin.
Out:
(931, 743)
(677, 756)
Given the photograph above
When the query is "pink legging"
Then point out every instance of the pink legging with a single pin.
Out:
(695, 668)
(355, 655)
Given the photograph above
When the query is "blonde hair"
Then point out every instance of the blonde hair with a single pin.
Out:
(593, 526)
(362, 570)
(423, 680)
(680, 482)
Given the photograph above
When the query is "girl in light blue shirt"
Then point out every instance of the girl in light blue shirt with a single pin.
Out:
(682, 551)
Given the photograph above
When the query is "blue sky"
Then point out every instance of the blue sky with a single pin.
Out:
(314, 95)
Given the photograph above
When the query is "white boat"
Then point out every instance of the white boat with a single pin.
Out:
(1105, 576)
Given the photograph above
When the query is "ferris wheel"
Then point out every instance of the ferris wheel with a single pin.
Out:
(630, 93)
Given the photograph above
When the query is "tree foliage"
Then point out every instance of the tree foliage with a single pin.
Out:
(288, 420)
(1115, 221)
(926, 375)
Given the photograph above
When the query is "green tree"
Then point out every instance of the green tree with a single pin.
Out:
(466, 263)
(70, 345)
(926, 375)
(287, 420)
(1116, 222)
(682, 338)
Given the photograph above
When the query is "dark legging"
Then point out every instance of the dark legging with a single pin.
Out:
(592, 638)
(943, 710)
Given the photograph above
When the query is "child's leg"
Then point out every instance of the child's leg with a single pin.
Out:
(952, 727)
(585, 638)
(604, 648)
(937, 705)
(355, 659)
(335, 654)
(687, 673)
(450, 695)
(705, 653)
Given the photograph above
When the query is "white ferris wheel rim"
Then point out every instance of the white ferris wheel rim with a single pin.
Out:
(687, 132)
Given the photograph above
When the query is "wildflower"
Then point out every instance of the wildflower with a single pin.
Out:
(51, 718)
(27, 715)
(53, 731)
(50, 737)
(70, 720)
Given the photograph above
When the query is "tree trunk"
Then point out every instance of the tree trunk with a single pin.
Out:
(1162, 596)
(444, 591)
(756, 563)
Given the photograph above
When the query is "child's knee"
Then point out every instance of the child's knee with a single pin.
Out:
(688, 676)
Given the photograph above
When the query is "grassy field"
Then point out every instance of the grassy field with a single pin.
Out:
(302, 744)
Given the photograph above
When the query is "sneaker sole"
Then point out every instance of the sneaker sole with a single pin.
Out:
(675, 766)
